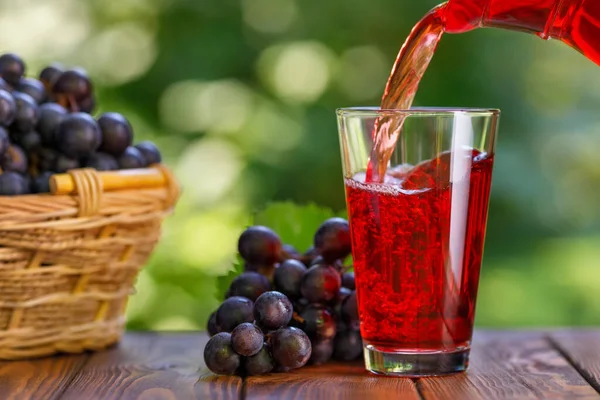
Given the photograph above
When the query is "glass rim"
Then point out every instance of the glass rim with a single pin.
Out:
(419, 111)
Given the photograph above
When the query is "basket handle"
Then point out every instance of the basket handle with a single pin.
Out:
(89, 184)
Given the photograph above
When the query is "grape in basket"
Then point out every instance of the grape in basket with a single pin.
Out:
(47, 127)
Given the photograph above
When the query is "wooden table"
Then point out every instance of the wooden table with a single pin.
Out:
(504, 365)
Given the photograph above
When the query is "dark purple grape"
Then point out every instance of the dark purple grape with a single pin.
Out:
(101, 162)
(64, 163)
(348, 346)
(339, 300)
(280, 369)
(30, 141)
(318, 323)
(28, 182)
(78, 135)
(300, 305)
(4, 142)
(234, 311)
(288, 277)
(259, 245)
(117, 133)
(51, 115)
(72, 86)
(322, 351)
(348, 280)
(273, 310)
(50, 75)
(47, 159)
(332, 239)
(28, 113)
(342, 294)
(342, 327)
(131, 159)
(290, 347)
(32, 87)
(150, 152)
(8, 108)
(250, 285)
(13, 184)
(219, 356)
(12, 68)
(87, 105)
(15, 160)
(41, 183)
(211, 326)
(308, 257)
(5, 86)
(350, 311)
(259, 364)
(340, 266)
(320, 284)
(317, 260)
(267, 270)
(337, 264)
(249, 267)
(247, 339)
(289, 252)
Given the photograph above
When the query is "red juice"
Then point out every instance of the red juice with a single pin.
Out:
(417, 245)
(575, 22)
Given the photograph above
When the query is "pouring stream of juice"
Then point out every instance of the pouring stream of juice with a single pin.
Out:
(401, 88)
(575, 22)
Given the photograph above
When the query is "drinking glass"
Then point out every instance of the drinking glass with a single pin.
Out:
(418, 233)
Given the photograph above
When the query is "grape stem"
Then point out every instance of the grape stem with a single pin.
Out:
(296, 317)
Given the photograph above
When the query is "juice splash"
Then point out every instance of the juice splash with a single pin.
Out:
(417, 265)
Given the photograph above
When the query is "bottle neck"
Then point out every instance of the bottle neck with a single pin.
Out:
(545, 18)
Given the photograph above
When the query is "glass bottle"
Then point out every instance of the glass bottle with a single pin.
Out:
(575, 22)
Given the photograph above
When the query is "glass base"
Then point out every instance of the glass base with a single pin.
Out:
(415, 364)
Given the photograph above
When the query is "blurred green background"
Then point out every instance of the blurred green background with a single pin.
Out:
(240, 95)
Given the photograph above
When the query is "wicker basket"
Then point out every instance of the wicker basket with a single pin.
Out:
(68, 263)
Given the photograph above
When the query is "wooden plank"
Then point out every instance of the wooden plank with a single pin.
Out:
(582, 349)
(44, 378)
(511, 365)
(329, 382)
(152, 366)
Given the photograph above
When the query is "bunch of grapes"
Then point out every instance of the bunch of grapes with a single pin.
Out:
(46, 127)
(287, 309)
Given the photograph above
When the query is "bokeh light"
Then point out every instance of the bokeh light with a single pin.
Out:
(240, 97)
(208, 169)
(43, 29)
(570, 160)
(269, 16)
(129, 43)
(193, 106)
(297, 71)
(270, 134)
(363, 72)
(201, 231)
